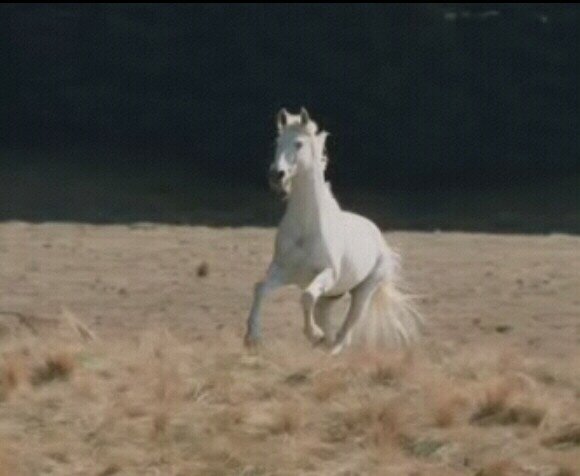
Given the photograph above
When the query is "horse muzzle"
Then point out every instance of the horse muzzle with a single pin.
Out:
(278, 181)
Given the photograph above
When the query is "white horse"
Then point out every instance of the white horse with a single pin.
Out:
(329, 252)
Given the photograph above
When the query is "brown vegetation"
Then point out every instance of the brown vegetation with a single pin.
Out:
(163, 398)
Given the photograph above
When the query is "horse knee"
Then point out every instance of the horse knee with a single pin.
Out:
(260, 288)
(308, 300)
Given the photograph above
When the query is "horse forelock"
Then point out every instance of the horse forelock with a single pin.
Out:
(294, 125)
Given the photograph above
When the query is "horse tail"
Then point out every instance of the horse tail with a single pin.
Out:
(392, 319)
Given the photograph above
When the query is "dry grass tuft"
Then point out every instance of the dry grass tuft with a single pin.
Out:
(160, 423)
(8, 461)
(329, 383)
(383, 369)
(287, 419)
(375, 423)
(568, 435)
(57, 366)
(524, 413)
(506, 402)
(565, 471)
(16, 373)
(446, 403)
(499, 468)
(110, 470)
(421, 447)
(386, 425)
(299, 377)
(495, 400)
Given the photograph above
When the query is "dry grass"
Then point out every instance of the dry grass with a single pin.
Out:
(16, 374)
(108, 391)
(8, 464)
(447, 403)
(58, 365)
(157, 402)
(499, 468)
(568, 435)
(506, 402)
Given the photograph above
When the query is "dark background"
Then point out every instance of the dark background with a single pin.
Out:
(453, 116)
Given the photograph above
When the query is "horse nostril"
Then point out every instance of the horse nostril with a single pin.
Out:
(276, 175)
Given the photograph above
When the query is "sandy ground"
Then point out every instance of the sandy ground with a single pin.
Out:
(121, 354)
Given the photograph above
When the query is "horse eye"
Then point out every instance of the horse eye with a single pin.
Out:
(298, 145)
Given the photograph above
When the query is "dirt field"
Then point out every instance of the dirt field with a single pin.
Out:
(121, 355)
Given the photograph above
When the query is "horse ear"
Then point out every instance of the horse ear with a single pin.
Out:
(304, 116)
(281, 119)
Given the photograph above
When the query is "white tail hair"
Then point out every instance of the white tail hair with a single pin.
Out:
(392, 320)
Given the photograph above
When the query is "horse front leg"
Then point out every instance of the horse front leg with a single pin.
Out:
(322, 283)
(273, 280)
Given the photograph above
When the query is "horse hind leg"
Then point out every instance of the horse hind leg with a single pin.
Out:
(360, 299)
(325, 309)
(312, 330)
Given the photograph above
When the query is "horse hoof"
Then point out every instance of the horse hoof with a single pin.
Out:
(337, 348)
(319, 342)
(314, 335)
(251, 342)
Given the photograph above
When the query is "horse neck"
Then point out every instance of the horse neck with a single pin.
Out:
(310, 202)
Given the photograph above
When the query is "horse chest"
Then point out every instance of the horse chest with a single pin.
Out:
(301, 255)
